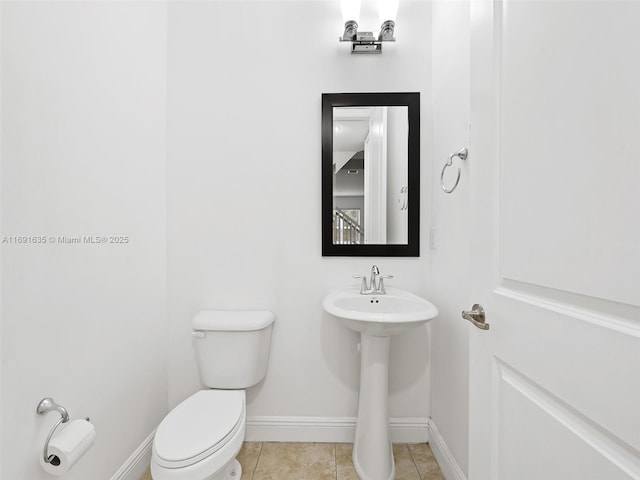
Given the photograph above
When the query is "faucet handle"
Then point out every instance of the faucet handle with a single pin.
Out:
(381, 283)
(363, 286)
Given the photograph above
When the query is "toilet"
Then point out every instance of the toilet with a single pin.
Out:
(200, 438)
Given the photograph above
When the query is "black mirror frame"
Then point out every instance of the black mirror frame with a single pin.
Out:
(408, 99)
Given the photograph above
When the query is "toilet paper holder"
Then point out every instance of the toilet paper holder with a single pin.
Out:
(45, 406)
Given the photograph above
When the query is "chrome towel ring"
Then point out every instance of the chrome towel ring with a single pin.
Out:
(462, 155)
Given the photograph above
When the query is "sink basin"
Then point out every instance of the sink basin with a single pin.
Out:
(390, 314)
(377, 318)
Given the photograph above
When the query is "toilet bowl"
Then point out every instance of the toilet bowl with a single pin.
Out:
(200, 438)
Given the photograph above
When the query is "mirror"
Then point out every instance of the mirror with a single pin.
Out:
(371, 174)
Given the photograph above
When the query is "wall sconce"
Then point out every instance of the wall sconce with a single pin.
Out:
(366, 42)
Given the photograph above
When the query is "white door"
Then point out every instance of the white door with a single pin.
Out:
(555, 178)
(375, 178)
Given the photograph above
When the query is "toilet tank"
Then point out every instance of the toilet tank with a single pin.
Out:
(232, 347)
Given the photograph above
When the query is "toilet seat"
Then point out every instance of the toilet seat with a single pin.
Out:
(198, 427)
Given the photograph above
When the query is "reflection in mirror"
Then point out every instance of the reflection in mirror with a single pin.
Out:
(371, 170)
(370, 175)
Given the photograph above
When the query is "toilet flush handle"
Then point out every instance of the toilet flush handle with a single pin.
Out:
(198, 334)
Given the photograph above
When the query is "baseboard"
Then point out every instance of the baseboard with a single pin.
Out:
(137, 463)
(297, 429)
(329, 429)
(450, 468)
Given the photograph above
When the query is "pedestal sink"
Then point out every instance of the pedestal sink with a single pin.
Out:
(377, 317)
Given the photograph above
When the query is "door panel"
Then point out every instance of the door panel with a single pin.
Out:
(569, 122)
(555, 382)
(375, 178)
(578, 443)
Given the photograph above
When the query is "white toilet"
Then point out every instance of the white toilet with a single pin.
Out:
(200, 438)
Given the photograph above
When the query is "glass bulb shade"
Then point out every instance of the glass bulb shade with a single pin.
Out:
(350, 10)
(387, 10)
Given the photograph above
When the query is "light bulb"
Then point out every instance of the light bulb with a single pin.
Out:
(350, 10)
(387, 10)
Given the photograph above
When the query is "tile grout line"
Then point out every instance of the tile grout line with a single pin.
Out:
(255, 467)
(335, 459)
(414, 462)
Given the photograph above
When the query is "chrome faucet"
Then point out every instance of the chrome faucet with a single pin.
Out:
(375, 271)
(376, 284)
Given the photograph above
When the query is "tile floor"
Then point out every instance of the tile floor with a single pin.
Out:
(326, 461)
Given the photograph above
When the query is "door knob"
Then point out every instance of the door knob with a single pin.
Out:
(476, 316)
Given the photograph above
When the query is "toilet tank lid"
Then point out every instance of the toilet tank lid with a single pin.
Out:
(232, 320)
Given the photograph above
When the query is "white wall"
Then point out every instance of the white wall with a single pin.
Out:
(83, 153)
(348, 185)
(244, 203)
(1, 316)
(449, 265)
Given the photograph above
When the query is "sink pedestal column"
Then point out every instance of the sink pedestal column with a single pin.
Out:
(372, 450)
